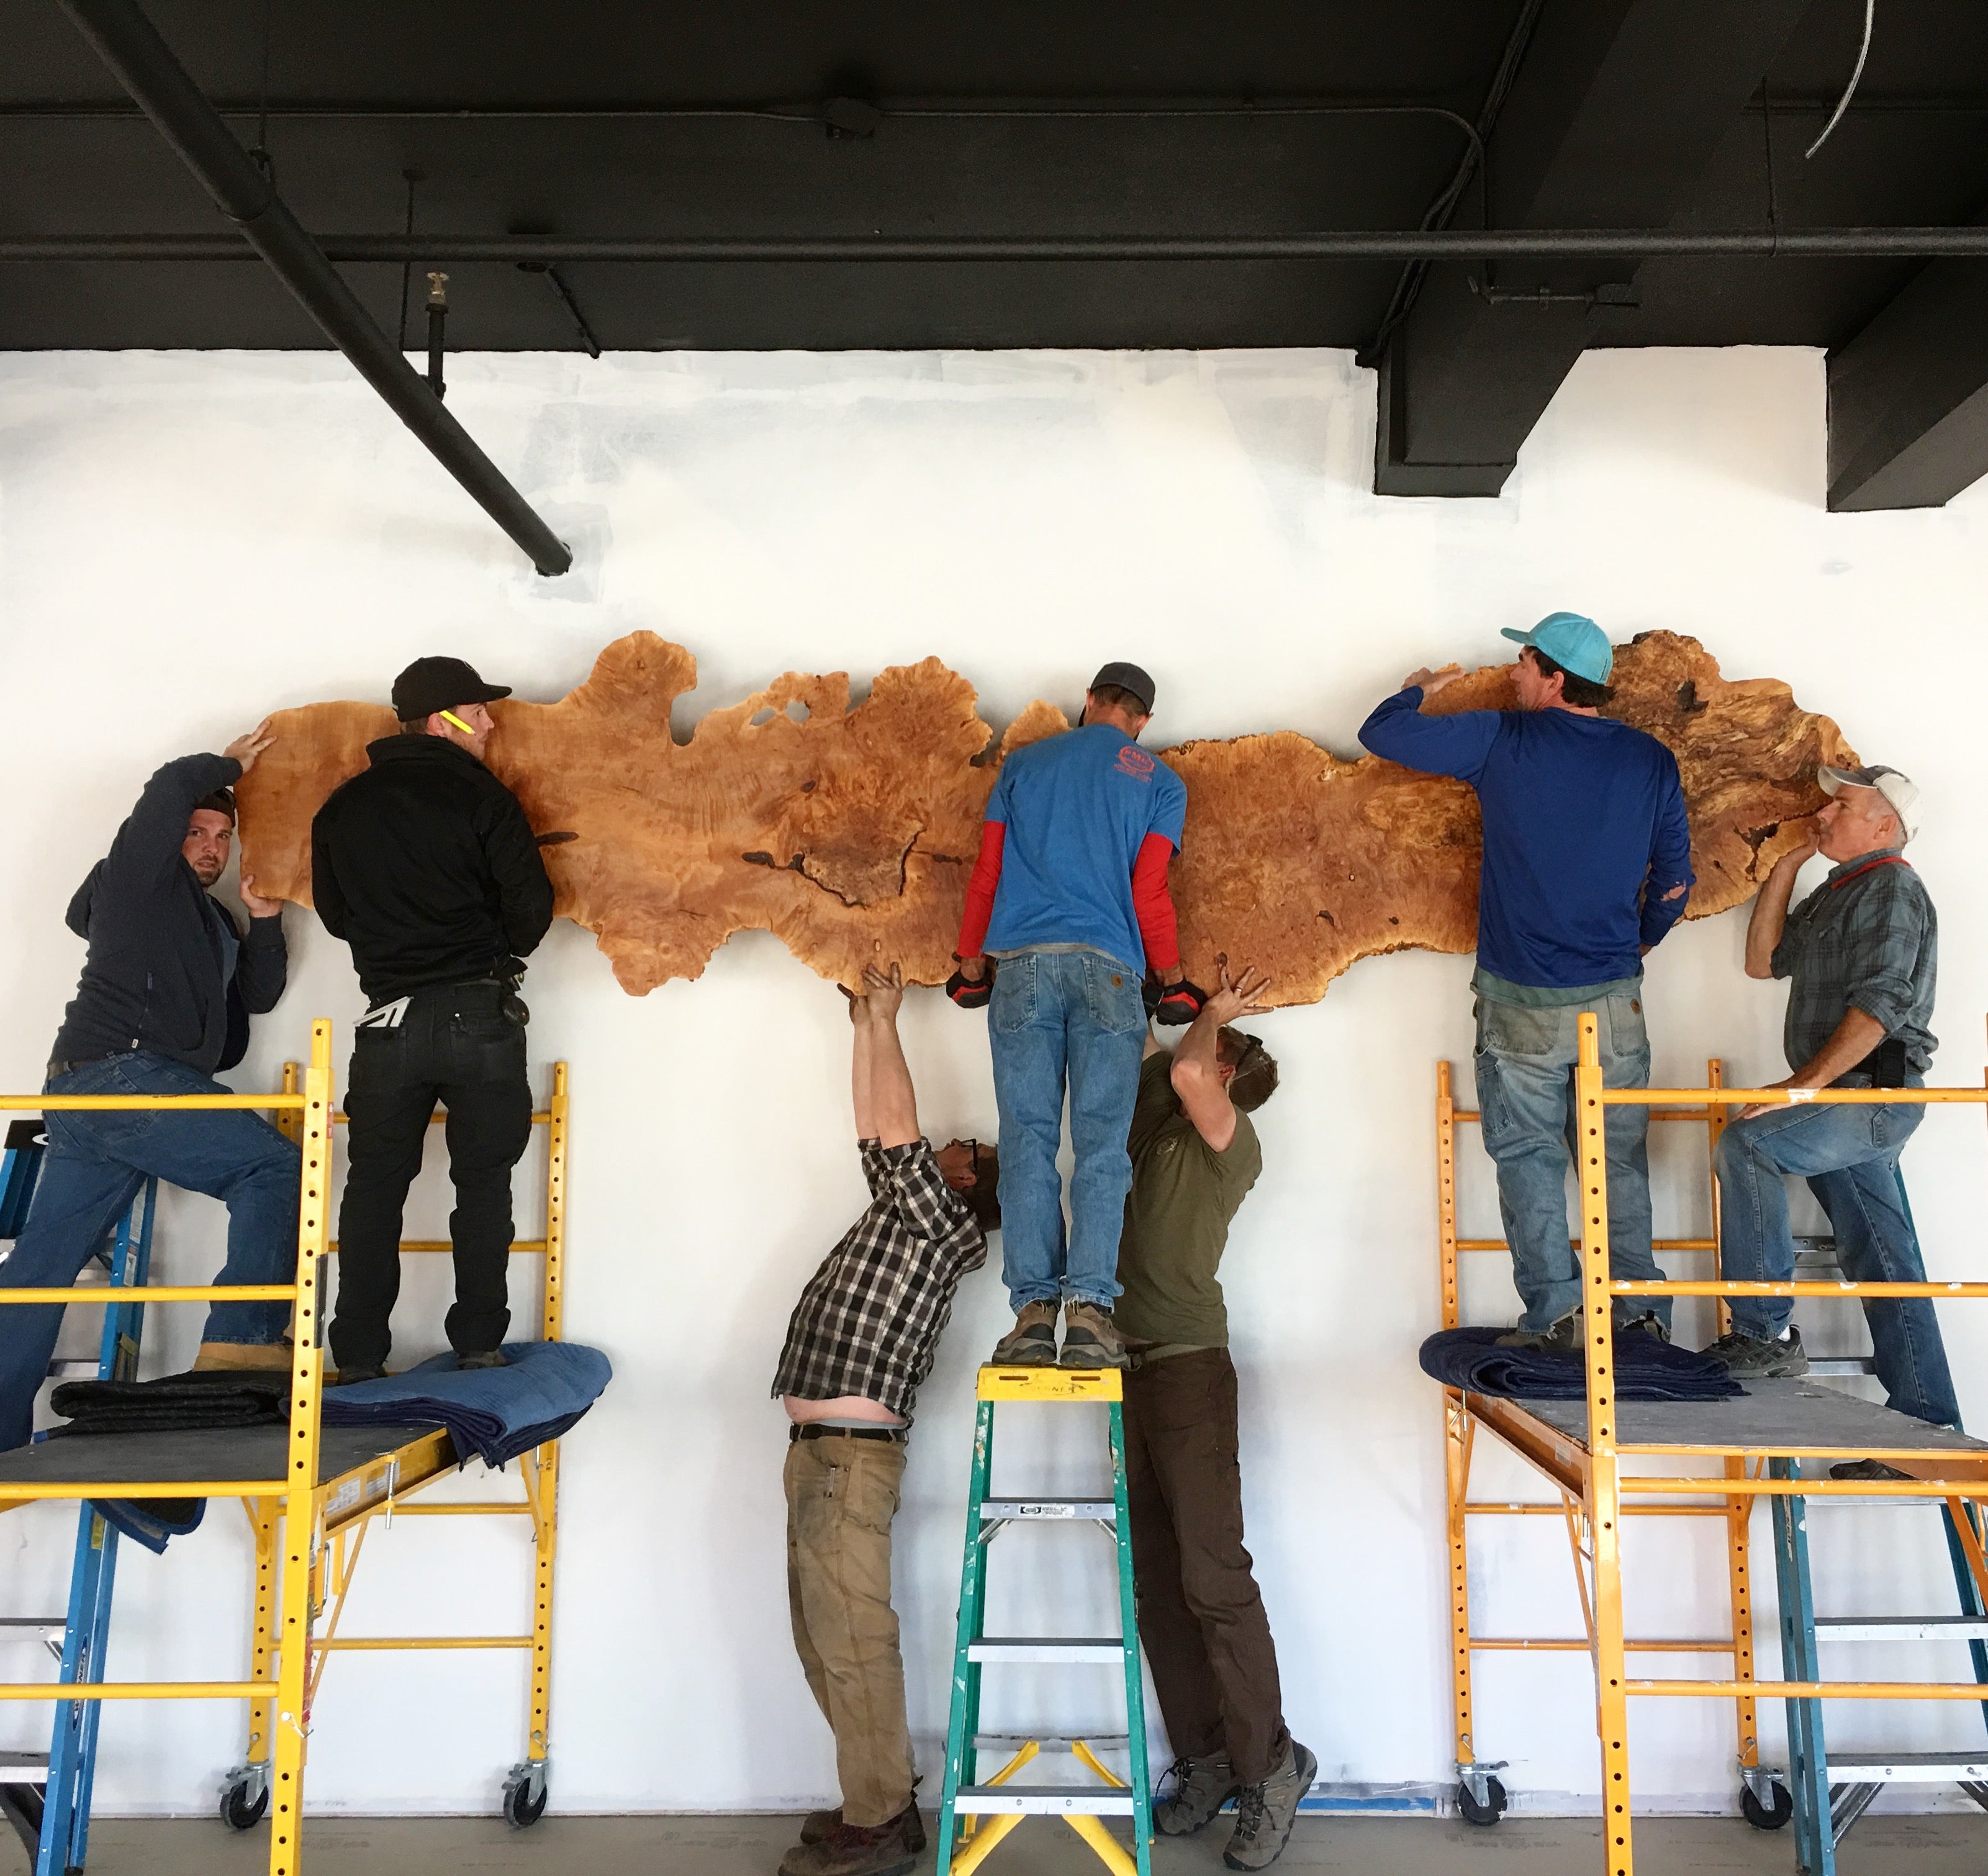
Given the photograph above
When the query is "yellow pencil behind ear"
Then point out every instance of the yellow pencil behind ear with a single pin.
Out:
(450, 717)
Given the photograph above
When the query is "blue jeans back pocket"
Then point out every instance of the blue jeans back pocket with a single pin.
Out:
(1013, 1005)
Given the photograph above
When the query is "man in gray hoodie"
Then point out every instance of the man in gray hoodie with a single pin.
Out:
(163, 1002)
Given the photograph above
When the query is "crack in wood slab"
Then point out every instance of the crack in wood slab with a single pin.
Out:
(848, 832)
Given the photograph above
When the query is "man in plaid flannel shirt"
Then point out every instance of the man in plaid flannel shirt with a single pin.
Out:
(1862, 952)
(860, 1341)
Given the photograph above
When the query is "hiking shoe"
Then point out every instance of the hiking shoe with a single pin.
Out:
(1563, 1338)
(1264, 1813)
(1649, 1323)
(1201, 1786)
(1090, 1338)
(818, 1826)
(1031, 1343)
(853, 1849)
(1868, 1471)
(1753, 1357)
(483, 1358)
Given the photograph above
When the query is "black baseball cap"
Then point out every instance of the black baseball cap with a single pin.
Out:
(1126, 677)
(429, 684)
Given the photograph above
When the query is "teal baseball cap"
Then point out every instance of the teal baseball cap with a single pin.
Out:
(1573, 641)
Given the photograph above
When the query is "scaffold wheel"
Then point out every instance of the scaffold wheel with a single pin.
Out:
(1473, 1812)
(1758, 1813)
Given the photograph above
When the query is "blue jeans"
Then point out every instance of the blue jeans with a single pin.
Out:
(1078, 1015)
(1850, 1157)
(95, 1161)
(1526, 1061)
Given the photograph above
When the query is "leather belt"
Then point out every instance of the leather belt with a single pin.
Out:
(820, 1429)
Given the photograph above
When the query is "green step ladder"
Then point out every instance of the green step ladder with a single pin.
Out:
(974, 1814)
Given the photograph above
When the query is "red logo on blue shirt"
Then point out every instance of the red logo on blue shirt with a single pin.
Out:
(1135, 762)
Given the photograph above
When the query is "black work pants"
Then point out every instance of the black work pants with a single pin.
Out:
(1201, 1616)
(456, 1045)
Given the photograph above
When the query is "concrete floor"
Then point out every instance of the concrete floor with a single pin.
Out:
(733, 1846)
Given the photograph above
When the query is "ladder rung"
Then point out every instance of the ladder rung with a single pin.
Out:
(1900, 1628)
(33, 1621)
(1049, 1742)
(1026, 1509)
(1046, 1648)
(1906, 1768)
(1843, 1364)
(1067, 1800)
(16, 1762)
(72, 1370)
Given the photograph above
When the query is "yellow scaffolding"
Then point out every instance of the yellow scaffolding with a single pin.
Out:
(1579, 1452)
(303, 1562)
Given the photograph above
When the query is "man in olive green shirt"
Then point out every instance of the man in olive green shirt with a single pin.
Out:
(1194, 1157)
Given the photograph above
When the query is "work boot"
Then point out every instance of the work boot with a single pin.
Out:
(483, 1358)
(1264, 1813)
(1649, 1323)
(1867, 1471)
(1563, 1338)
(1201, 1786)
(251, 1358)
(1753, 1357)
(816, 1826)
(1032, 1342)
(852, 1849)
(1090, 1338)
(347, 1377)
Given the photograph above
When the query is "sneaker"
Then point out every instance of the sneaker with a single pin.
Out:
(853, 1849)
(1201, 1786)
(1090, 1338)
(1563, 1338)
(1649, 1323)
(1264, 1813)
(1031, 1343)
(483, 1358)
(1867, 1471)
(1753, 1357)
(818, 1826)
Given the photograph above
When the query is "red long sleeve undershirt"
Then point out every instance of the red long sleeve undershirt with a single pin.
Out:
(1152, 903)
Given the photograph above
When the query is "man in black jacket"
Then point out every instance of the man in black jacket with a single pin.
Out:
(426, 866)
(163, 1002)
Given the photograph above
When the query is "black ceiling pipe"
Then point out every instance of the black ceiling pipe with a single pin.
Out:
(128, 43)
(1334, 245)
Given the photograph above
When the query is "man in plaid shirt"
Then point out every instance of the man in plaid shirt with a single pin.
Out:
(860, 1341)
(1863, 952)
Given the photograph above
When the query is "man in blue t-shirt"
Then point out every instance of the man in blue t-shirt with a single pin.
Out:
(1587, 865)
(1070, 899)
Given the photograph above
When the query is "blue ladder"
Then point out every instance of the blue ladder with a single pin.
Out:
(51, 1813)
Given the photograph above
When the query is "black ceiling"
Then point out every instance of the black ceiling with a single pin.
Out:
(609, 118)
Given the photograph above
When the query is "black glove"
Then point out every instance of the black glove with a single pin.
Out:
(1179, 1003)
(1150, 993)
(966, 992)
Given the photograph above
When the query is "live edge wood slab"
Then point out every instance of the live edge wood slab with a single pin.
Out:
(849, 833)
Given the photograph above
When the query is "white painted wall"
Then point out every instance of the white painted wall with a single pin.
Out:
(187, 542)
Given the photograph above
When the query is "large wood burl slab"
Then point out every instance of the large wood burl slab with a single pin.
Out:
(849, 833)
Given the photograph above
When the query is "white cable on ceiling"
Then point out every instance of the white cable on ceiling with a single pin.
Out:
(1843, 103)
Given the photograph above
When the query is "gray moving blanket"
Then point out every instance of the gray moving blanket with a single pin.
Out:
(1645, 1369)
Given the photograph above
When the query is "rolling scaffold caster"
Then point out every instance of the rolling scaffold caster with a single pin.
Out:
(1764, 1801)
(525, 1792)
(245, 1797)
(1480, 1794)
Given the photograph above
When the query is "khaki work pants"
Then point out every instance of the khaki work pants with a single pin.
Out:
(1201, 1616)
(842, 1495)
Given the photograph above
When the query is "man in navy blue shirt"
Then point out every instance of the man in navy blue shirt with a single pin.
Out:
(1070, 899)
(1587, 865)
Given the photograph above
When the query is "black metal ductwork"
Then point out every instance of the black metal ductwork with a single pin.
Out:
(142, 62)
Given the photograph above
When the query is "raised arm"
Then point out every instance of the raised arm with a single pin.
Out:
(1452, 745)
(887, 1105)
(1199, 1075)
(156, 829)
(1770, 916)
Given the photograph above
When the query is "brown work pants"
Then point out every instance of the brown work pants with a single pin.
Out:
(842, 1495)
(1201, 1615)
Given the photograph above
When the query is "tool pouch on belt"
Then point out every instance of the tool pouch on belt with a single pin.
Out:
(1886, 1064)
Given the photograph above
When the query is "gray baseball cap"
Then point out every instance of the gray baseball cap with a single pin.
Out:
(1127, 678)
(1899, 790)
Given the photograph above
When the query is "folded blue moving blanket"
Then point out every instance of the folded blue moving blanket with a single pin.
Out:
(1645, 1369)
(494, 1413)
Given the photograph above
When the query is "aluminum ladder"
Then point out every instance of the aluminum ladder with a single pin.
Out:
(1829, 1795)
(974, 1814)
(46, 1796)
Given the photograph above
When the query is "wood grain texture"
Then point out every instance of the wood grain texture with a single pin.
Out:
(849, 833)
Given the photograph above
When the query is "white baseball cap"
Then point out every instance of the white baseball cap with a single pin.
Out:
(1899, 790)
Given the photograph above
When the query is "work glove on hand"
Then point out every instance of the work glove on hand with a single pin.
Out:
(967, 993)
(1179, 1003)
